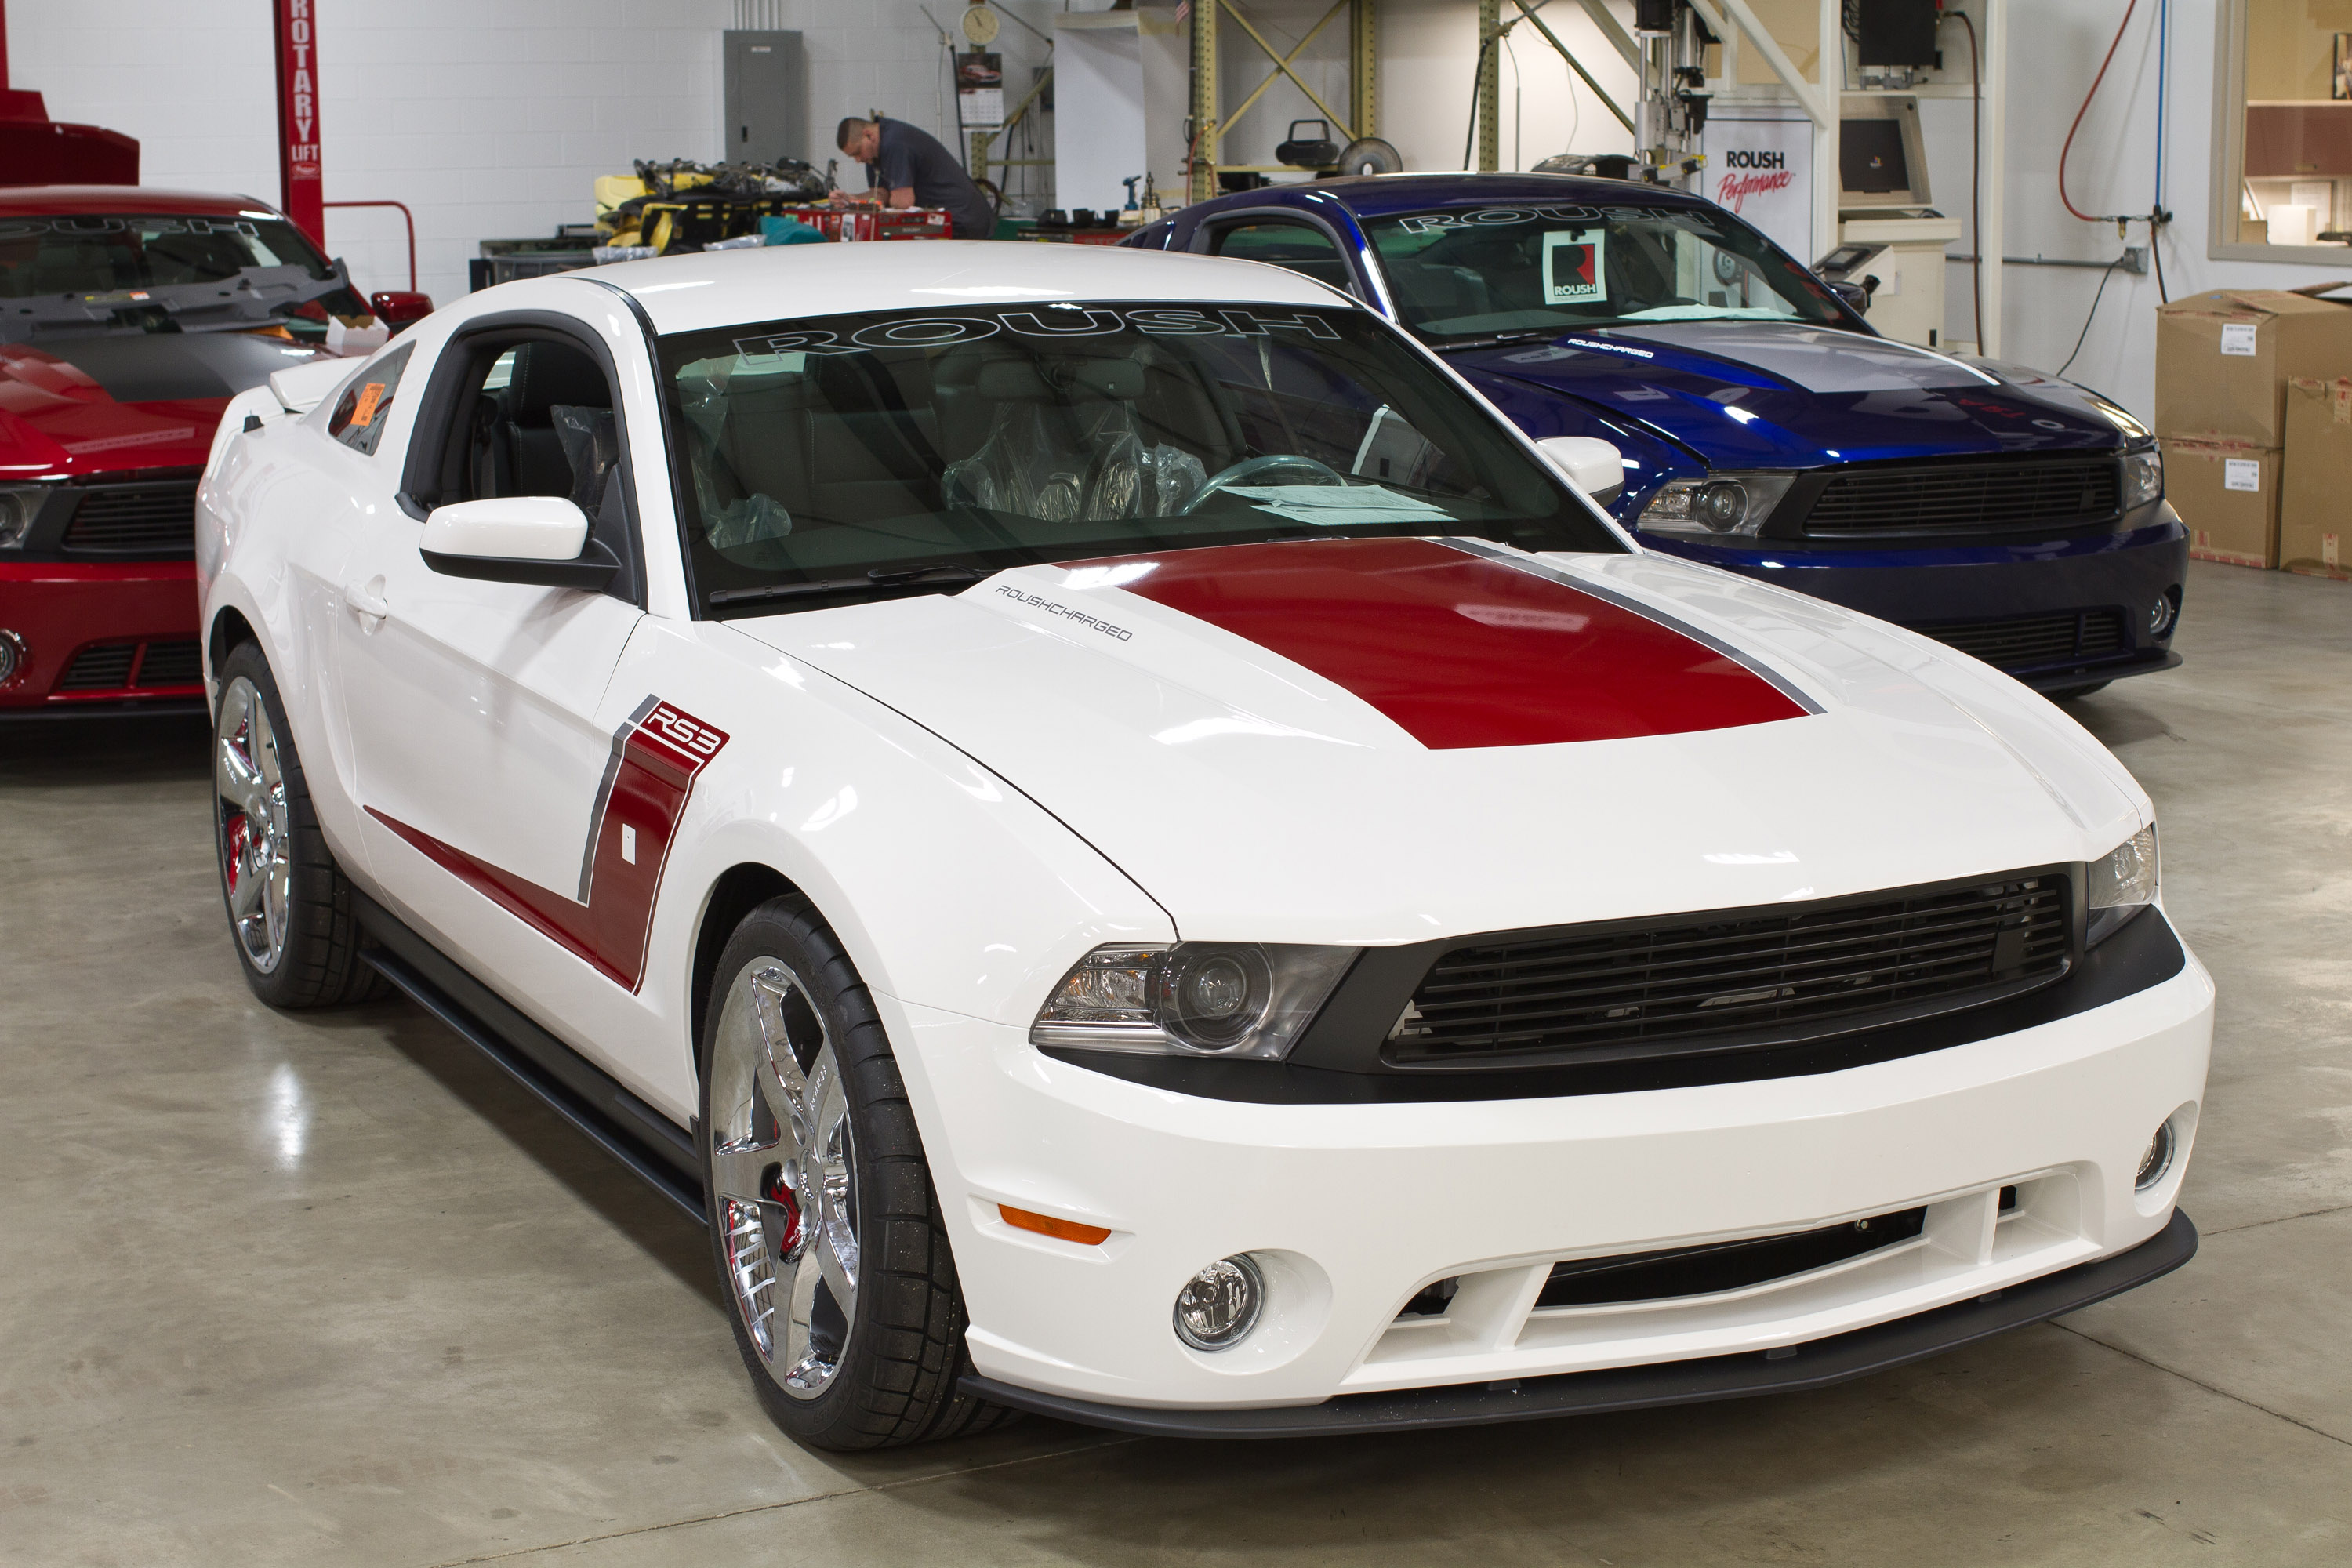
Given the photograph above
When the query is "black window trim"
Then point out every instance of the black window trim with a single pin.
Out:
(1205, 236)
(449, 391)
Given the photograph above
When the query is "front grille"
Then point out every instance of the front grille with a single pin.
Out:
(1723, 1265)
(2069, 637)
(172, 664)
(104, 668)
(152, 519)
(1754, 977)
(1966, 498)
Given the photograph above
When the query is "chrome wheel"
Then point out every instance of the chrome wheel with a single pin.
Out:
(783, 1185)
(255, 829)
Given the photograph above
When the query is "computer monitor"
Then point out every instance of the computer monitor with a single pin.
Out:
(1880, 162)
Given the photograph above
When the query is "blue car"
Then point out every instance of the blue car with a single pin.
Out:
(1763, 425)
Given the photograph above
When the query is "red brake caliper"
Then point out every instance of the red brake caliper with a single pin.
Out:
(784, 1198)
(240, 838)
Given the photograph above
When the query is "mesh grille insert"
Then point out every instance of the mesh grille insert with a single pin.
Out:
(1810, 969)
(1723, 1265)
(1964, 498)
(104, 668)
(157, 519)
(172, 664)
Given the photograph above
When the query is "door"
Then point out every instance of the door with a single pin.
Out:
(480, 738)
(766, 114)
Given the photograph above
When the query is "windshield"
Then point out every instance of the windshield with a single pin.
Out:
(1488, 271)
(96, 254)
(848, 453)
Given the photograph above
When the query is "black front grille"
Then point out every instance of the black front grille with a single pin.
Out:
(103, 669)
(2070, 637)
(172, 664)
(1967, 498)
(1723, 1265)
(1751, 977)
(153, 519)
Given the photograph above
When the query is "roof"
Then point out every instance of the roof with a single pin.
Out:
(59, 201)
(729, 288)
(1380, 196)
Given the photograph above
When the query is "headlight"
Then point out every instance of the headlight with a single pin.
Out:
(1196, 998)
(2143, 478)
(19, 505)
(1718, 504)
(2123, 883)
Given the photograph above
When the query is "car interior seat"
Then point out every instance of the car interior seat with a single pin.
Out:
(517, 448)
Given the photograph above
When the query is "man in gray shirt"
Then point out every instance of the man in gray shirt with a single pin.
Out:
(907, 169)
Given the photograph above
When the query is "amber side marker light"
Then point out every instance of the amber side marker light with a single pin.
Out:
(1046, 1225)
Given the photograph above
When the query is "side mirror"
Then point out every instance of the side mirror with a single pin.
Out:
(1593, 466)
(399, 309)
(1856, 295)
(540, 539)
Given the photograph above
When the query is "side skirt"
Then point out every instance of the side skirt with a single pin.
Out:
(575, 1089)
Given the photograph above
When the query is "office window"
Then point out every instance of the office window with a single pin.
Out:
(2283, 176)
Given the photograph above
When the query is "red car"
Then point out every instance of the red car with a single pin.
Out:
(127, 319)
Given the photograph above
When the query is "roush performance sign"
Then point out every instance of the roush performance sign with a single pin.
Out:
(299, 191)
(1763, 170)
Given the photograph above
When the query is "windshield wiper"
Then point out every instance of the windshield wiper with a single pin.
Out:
(881, 579)
(1494, 339)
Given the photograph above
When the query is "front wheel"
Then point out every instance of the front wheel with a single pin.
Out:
(289, 909)
(824, 1224)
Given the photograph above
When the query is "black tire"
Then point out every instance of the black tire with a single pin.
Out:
(898, 1349)
(317, 962)
(2068, 694)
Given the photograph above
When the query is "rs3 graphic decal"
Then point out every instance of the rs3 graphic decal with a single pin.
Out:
(656, 756)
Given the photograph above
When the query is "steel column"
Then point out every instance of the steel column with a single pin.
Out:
(300, 193)
(1206, 131)
(1489, 109)
(1363, 66)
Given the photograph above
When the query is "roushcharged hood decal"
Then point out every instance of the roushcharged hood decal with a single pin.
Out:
(1459, 648)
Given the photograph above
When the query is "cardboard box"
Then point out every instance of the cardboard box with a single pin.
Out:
(2226, 492)
(2316, 496)
(2223, 359)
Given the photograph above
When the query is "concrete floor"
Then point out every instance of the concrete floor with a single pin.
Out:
(328, 1290)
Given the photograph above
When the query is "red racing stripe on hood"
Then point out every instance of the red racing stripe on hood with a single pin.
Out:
(1459, 649)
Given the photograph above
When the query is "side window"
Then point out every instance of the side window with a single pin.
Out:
(538, 422)
(359, 419)
(1302, 247)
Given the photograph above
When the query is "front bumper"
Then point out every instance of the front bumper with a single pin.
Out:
(1818, 1363)
(136, 621)
(1985, 585)
(1352, 1209)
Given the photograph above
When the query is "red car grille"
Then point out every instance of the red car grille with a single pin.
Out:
(118, 667)
(145, 519)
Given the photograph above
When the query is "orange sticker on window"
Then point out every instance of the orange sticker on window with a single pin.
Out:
(371, 395)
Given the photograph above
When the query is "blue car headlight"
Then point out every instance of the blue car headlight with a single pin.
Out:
(1716, 506)
(2143, 477)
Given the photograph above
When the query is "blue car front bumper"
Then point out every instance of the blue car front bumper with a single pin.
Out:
(2057, 616)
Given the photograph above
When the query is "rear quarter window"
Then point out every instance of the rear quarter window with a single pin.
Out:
(360, 414)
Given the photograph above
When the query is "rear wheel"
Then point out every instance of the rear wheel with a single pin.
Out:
(289, 909)
(823, 1225)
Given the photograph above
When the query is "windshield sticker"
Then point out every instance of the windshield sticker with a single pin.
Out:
(941, 331)
(1572, 267)
(1483, 218)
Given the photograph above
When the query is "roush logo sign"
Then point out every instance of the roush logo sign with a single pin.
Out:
(1762, 169)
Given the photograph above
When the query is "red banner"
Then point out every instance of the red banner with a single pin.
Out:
(298, 191)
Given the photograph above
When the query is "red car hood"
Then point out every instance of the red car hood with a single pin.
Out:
(112, 403)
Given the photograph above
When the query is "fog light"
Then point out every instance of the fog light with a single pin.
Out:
(2156, 1160)
(12, 656)
(2161, 614)
(1220, 1305)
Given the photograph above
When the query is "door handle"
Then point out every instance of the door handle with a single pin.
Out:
(368, 603)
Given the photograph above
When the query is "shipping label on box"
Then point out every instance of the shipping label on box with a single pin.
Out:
(2228, 495)
(2223, 359)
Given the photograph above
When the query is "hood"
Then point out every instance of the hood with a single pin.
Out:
(1388, 740)
(1776, 394)
(134, 401)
